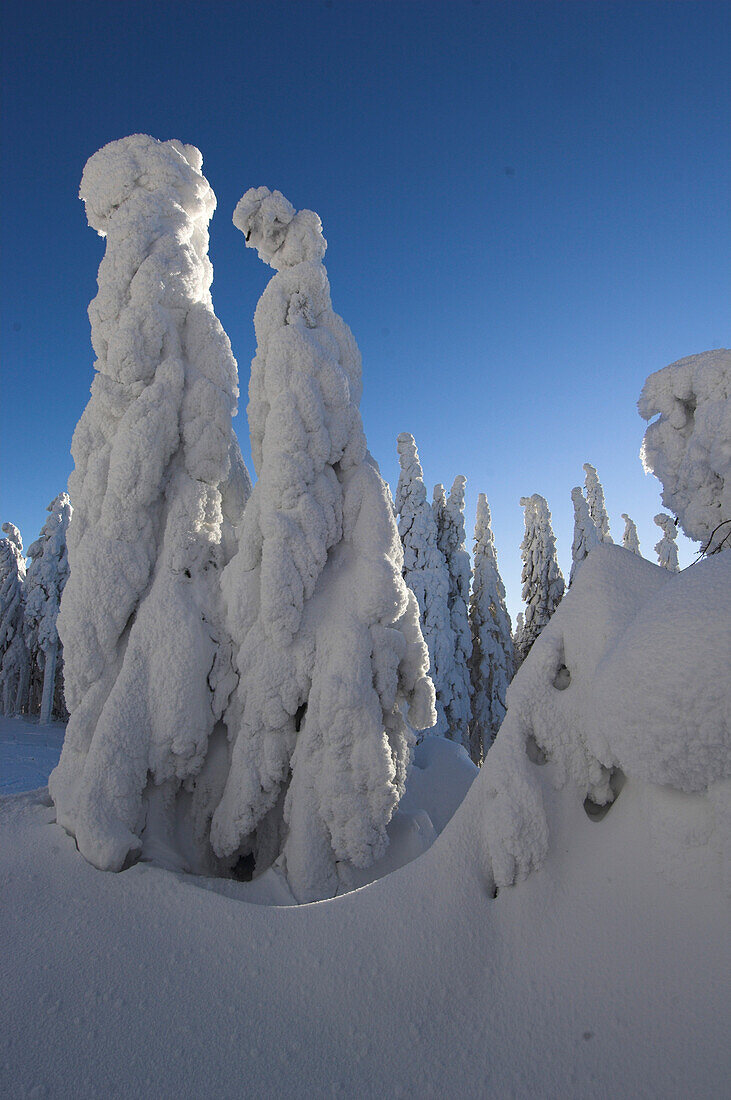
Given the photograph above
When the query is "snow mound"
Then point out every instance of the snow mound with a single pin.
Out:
(688, 447)
(628, 679)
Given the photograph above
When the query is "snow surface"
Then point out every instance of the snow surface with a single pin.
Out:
(28, 753)
(600, 974)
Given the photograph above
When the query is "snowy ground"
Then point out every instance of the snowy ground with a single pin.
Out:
(602, 973)
(28, 753)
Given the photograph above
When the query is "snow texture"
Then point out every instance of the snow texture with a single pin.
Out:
(425, 572)
(586, 535)
(543, 583)
(630, 538)
(629, 679)
(667, 548)
(329, 651)
(14, 656)
(157, 487)
(595, 501)
(45, 581)
(493, 661)
(451, 537)
(688, 446)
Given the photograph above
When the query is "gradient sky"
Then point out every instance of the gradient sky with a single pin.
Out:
(526, 204)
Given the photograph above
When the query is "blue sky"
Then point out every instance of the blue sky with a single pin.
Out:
(526, 204)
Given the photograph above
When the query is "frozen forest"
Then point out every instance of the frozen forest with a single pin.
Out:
(293, 688)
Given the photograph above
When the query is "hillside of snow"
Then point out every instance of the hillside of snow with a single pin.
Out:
(597, 967)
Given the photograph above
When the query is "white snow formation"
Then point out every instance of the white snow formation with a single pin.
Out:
(586, 535)
(157, 486)
(14, 656)
(329, 650)
(492, 662)
(667, 547)
(45, 581)
(425, 572)
(595, 501)
(543, 583)
(629, 679)
(451, 537)
(688, 446)
(630, 538)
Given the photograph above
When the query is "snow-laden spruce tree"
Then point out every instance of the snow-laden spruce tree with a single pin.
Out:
(492, 661)
(586, 534)
(543, 583)
(158, 482)
(595, 501)
(45, 581)
(329, 650)
(667, 548)
(449, 516)
(630, 538)
(518, 638)
(14, 656)
(687, 447)
(425, 570)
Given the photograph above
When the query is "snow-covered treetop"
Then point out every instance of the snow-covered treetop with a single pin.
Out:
(47, 574)
(411, 478)
(630, 538)
(586, 535)
(595, 501)
(13, 535)
(667, 549)
(140, 163)
(688, 447)
(282, 236)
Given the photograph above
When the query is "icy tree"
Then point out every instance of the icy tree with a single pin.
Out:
(687, 447)
(595, 501)
(157, 485)
(14, 657)
(586, 535)
(329, 650)
(425, 570)
(630, 538)
(46, 577)
(492, 661)
(518, 638)
(543, 583)
(667, 547)
(449, 515)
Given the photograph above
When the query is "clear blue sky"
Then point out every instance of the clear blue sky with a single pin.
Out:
(527, 209)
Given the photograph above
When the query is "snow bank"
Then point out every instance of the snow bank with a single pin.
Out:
(628, 679)
(688, 446)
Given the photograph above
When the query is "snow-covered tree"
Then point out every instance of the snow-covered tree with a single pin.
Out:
(543, 583)
(492, 661)
(630, 538)
(687, 446)
(45, 581)
(157, 485)
(586, 535)
(14, 657)
(449, 516)
(518, 638)
(425, 570)
(667, 547)
(329, 649)
(595, 501)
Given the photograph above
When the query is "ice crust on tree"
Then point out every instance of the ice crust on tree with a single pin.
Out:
(45, 581)
(630, 538)
(492, 661)
(157, 486)
(14, 656)
(543, 583)
(451, 536)
(425, 571)
(667, 548)
(329, 651)
(595, 502)
(586, 535)
(629, 678)
(688, 446)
